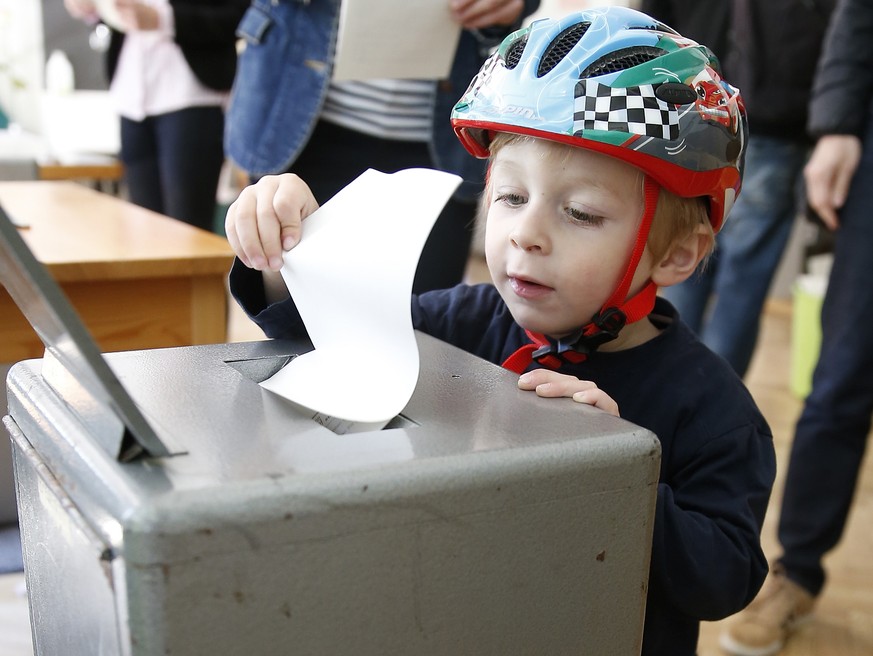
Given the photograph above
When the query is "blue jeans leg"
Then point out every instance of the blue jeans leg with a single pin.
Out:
(749, 247)
(173, 161)
(831, 435)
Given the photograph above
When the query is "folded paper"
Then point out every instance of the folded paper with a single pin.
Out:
(351, 279)
(395, 39)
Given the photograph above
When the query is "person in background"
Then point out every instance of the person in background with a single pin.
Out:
(705, 22)
(287, 115)
(588, 210)
(170, 71)
(831, 434)
(724, 301)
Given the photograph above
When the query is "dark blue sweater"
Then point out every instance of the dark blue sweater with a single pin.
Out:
(718, 462)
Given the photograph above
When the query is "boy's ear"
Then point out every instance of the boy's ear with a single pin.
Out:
(682, 258)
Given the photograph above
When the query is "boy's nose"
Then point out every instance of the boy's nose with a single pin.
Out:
(529, 233)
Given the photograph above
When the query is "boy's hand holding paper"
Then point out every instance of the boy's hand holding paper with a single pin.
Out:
(351, 279)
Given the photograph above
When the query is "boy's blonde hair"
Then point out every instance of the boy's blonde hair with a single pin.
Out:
(675, 219)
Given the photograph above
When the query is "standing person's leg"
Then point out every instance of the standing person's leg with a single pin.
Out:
(830, 437)
(139, 154)
(191, 155)
(751, 244)
(831, 434)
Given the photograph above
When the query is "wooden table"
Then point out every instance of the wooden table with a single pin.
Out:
(138, 279)
(103, 170)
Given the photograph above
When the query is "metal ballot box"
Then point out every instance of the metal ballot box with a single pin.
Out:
(170, 505)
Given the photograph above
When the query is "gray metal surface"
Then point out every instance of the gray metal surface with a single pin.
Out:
(8, 511)
(492, 522)
(75, 366)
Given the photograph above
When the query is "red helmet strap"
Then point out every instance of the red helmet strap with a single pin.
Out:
(651, 190)
(617, 312)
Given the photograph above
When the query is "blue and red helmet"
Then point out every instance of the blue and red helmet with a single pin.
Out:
(618, 82)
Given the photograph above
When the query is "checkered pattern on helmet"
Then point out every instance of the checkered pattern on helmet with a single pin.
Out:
(636, 110)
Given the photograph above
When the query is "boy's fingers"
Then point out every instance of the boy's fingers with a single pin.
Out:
(267, 222)
(292, 202)
(599, 399)
(241, 226)
(569, 387)
(531, 379)
(233, 239)
(551, 383)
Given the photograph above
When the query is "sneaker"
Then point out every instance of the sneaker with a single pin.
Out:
(763, 627)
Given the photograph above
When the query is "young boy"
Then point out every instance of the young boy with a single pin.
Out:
(599, 127)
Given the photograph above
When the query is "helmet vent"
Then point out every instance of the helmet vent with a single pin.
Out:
(513, 54)
(561, 46)
(621, 60)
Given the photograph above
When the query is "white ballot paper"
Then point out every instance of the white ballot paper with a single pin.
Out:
(400, 39)
(351, 279)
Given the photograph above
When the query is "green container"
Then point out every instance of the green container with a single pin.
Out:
(805, 332)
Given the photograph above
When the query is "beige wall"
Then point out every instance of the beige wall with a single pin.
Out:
(21, 60)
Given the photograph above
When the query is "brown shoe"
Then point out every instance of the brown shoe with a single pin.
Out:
(763, 627)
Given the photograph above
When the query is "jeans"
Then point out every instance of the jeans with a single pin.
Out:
(172, 163)
(831, 434)
(722, 302)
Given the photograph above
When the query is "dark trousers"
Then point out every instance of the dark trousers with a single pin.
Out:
(831, 434)
(334, 157)
(172, 162)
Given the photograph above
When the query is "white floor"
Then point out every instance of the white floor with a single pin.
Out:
(15, 637)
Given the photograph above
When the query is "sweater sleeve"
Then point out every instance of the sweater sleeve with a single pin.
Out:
(844, 80)
(707, 559)
(278, 320)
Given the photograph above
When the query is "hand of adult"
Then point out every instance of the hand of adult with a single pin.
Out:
(137, 16)
(828, 174)
(476, 14)
(81, 9)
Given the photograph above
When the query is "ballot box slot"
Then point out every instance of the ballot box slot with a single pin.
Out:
(260, 369)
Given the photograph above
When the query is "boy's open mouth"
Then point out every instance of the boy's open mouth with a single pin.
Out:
(528, 288)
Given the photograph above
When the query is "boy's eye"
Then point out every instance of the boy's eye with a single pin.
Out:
(584, 217)
(511, 199)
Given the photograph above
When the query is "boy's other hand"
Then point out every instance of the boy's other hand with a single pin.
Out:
(828, 174)
(551, 384)
(265, 220)
(477, 14)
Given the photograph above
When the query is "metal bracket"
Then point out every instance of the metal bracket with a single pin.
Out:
(73, 366)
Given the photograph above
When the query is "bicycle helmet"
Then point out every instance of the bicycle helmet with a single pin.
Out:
(615, 81)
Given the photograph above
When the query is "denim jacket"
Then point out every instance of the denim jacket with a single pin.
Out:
(282, 80)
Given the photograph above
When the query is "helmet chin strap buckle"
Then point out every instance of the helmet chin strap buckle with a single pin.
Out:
(604, 327)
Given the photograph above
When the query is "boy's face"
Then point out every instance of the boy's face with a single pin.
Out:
(561, 223)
